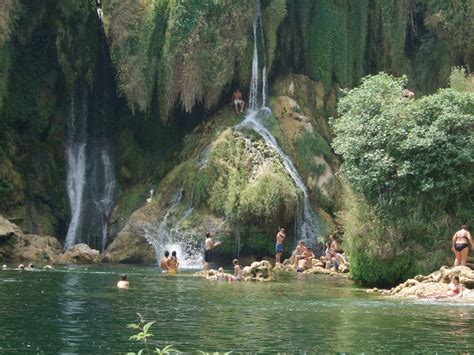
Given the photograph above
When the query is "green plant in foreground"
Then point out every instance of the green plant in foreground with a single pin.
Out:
(143, 326)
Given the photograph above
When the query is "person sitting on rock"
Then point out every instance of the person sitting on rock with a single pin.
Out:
(221, 275)
(306, 260)
(123, 282)
(454, 290)
(298, 253)
(164, 262)
(173, 263)
(237, 270)
(237, 101)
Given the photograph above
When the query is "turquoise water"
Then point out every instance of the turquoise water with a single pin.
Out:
(79, 310)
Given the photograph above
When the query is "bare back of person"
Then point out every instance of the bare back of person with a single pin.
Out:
(164, 264)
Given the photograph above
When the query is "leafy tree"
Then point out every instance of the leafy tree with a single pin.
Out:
(408, 165)
(395, 148)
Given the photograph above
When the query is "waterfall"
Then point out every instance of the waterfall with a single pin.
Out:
(76, 162)
(168, 235)
(306, 227)
(90, 178)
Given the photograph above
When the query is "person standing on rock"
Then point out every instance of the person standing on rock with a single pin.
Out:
(280, 237)
(209, 246)
(460, 245)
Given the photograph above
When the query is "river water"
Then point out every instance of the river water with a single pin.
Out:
(79, 310)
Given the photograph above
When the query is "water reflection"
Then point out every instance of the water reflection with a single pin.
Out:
(80, 311)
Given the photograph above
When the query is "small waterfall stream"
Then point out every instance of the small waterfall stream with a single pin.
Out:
(90, 178)
(76, 162)
(90, 168)
(305, 220)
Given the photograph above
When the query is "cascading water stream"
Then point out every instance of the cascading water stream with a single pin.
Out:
(90, 169)
(307, 228)
(76, 162)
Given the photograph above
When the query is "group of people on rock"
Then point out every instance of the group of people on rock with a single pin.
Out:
(302, 257)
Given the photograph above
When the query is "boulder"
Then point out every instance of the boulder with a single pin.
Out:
(30, 247)
(7, 229)
(284, 267)
(79, 254)
(258, 271)
(17, 246)
(436, 282)
(321, 270)
(130, 246)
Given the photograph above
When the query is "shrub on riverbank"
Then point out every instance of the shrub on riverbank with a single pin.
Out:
(409, 164)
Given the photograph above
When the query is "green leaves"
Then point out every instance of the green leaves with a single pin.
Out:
(405, 147)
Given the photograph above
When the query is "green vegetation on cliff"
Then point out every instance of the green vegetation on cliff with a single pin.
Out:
(44, 48)
(410, 165)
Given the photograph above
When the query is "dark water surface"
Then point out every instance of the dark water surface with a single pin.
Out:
(79, 310)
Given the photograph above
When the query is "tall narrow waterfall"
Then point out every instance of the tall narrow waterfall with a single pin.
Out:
(306, 226)
(76, 161)
(90, 177)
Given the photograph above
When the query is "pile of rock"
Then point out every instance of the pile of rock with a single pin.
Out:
(17, 246)
(318, 266)
(79, 254)
(436, 282)
(257, 271)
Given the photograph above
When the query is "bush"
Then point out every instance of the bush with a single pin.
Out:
(408, 166)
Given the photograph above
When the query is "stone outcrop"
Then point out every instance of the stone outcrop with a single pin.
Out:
(436, 282)
(79, 254)
(318, 267)
(17, 246)
(258, 271)
(130, 246)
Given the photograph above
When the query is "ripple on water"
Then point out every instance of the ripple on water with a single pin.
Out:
(79, 310)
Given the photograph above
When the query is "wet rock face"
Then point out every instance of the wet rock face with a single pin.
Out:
(16, 246)
(130, 246)
(79, 254)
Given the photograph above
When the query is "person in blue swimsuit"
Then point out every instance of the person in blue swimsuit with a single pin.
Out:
(280, 237)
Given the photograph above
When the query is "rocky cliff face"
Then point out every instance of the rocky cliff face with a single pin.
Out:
(230, 182)
(178, 62)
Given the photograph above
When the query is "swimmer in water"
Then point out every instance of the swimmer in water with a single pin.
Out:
(164, 262)
(123, 283)
(173, 263)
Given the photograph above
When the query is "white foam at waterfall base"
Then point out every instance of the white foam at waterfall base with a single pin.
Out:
(163, 239)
